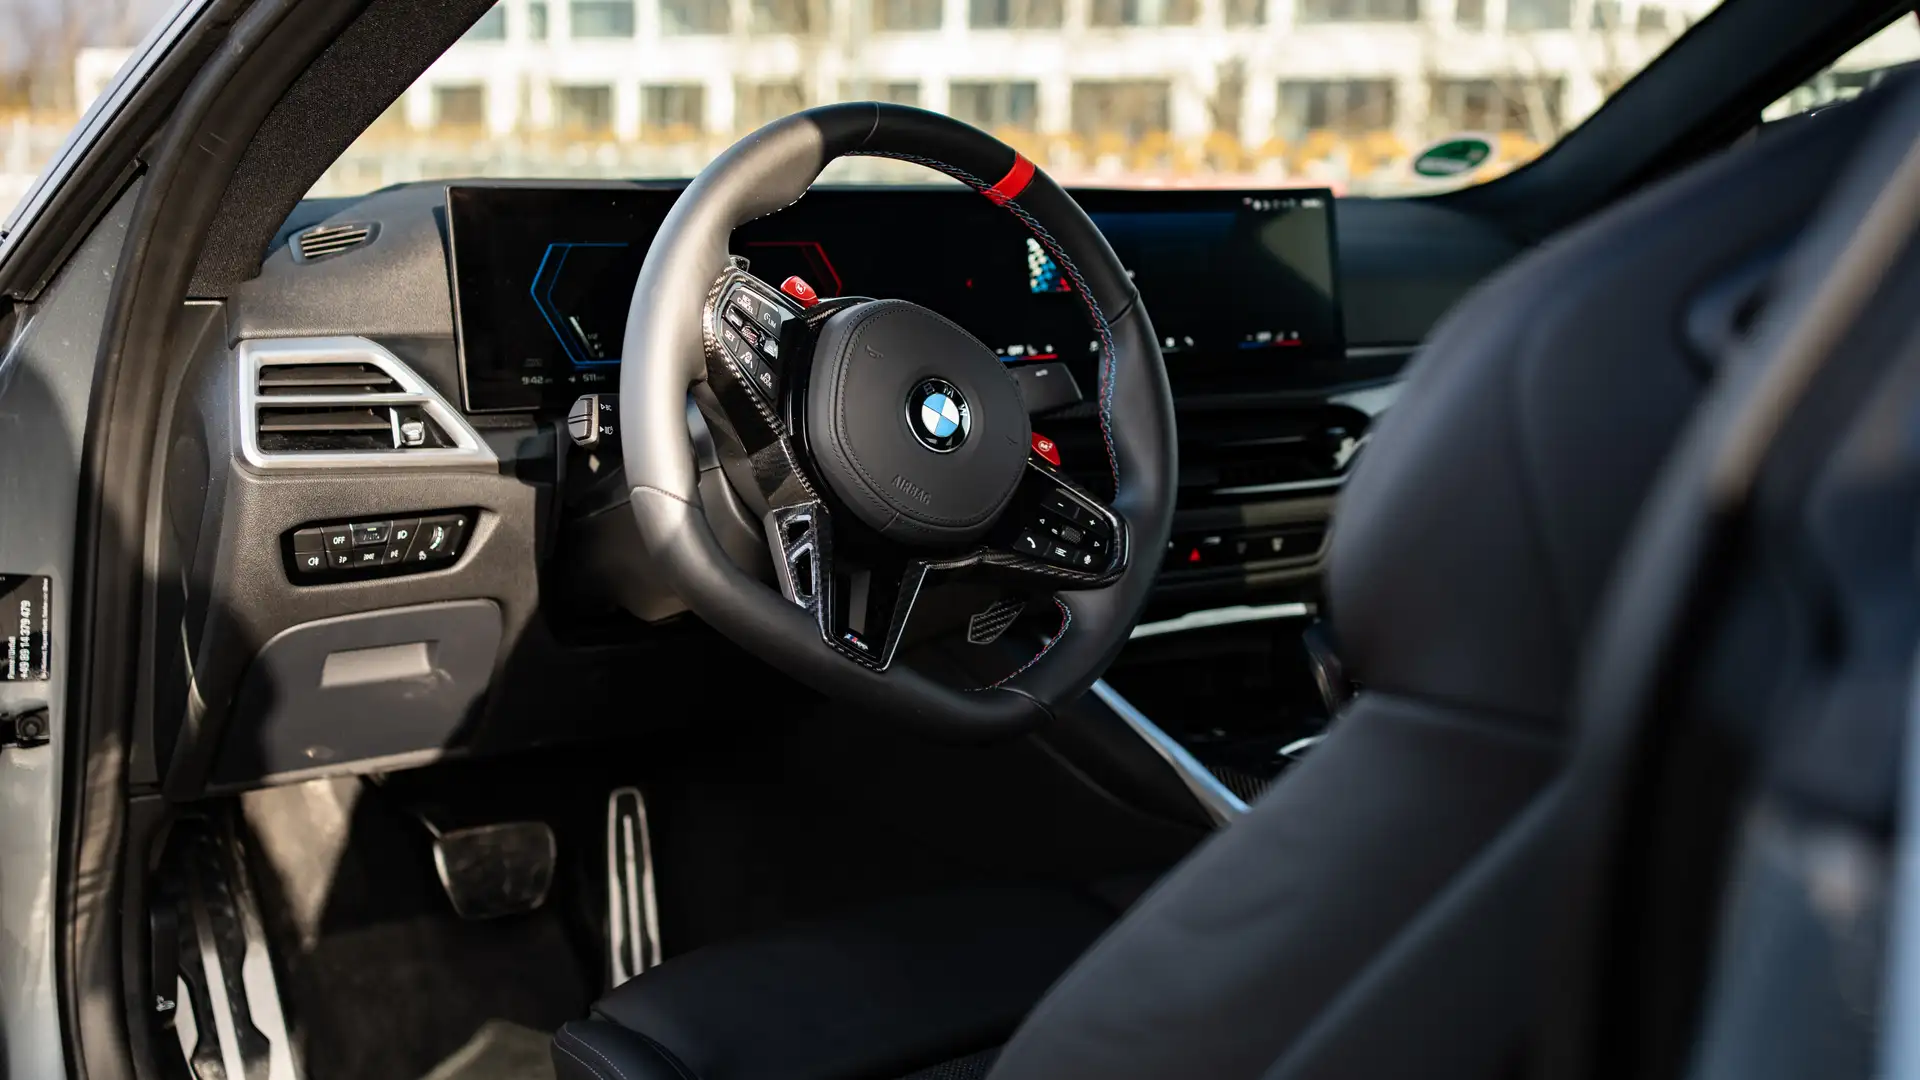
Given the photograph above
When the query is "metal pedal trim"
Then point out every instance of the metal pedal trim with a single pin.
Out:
(633, 915)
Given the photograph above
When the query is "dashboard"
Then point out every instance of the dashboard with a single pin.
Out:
(371, 453)
(1243, 286)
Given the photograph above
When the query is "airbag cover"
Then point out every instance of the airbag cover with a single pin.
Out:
(914, 424)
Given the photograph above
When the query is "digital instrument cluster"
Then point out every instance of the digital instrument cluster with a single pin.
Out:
(1242, 286)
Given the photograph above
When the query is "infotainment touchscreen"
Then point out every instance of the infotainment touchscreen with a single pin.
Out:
(1242, 286)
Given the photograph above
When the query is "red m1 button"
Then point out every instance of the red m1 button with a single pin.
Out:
(797, 288)
(1046, 448)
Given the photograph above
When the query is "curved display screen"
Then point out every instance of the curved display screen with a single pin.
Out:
(1242, 286)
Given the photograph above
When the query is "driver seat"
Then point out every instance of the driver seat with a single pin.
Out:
(1378, 912)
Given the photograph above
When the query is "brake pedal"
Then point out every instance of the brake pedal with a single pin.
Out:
(494, 870)
(633, 916)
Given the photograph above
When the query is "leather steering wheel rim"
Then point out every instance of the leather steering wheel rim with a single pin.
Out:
(665, 356)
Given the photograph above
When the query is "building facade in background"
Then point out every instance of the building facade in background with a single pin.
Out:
(1139, 92)
(1136, 91)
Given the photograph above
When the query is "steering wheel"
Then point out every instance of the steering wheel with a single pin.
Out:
(885, 447)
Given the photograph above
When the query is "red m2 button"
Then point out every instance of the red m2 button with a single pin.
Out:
(1046, 448)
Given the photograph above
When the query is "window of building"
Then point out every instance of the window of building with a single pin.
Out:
(1349, 107)
(1117, 13)
(678, 111)
(994, 105)
(1246, 12)
(1529, 107)
(788, 16)
(1015, 14)
(583, 110)
(1130, 108)
(601, 18)
(1470, 14)
(1652, 19)
(907, 14)
(1358, 10)
(758, 103)
(695, 16)
(537, 20)
(459, 106)
(1540, 14)
(897, 92)
(491, 27)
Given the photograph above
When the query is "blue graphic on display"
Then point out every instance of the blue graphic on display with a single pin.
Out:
(584, 344)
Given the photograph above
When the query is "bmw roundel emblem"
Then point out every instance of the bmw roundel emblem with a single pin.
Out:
(938, 415)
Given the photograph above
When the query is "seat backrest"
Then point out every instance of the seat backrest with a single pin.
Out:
(1373, 914)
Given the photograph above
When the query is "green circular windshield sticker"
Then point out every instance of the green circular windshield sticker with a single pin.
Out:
(1451, 157)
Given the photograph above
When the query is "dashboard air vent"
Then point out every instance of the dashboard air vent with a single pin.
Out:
(340, 378)
(321, 241)
(314, 402)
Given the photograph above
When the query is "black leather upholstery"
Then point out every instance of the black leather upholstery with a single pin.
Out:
(881, 994)
(1469, 558)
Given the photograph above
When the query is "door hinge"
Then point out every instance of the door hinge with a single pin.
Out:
(27, 728)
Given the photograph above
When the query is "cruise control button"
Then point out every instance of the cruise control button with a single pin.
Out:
(371, 532)
(754, 336)
(1057, 502)
(758, 374)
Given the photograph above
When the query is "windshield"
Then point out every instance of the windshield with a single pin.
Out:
(1364, 96)
(1342, 93)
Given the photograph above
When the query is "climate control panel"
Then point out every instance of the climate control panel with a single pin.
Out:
(385, 546)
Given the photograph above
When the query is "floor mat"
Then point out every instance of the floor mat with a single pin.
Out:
(382, 980)
(499, 1051)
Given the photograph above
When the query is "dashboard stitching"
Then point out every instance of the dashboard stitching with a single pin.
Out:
(1073, 271)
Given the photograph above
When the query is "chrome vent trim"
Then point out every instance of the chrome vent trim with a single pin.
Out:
(320, 241)
(468, 451)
